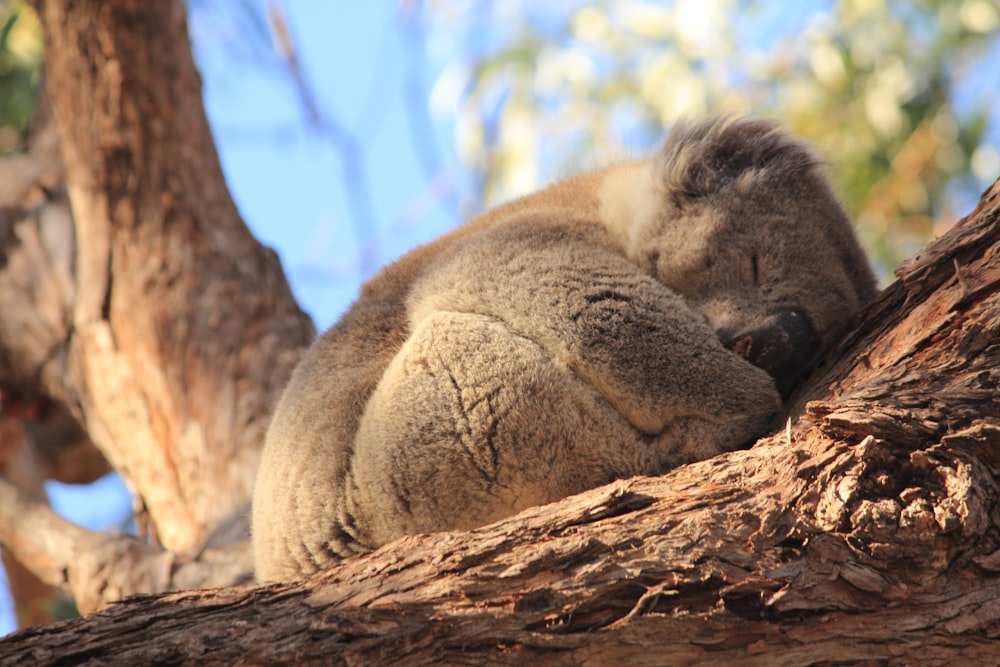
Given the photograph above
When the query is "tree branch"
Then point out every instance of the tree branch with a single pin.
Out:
(177, 330)
(100, 568)
(18, 463)
(149, 316)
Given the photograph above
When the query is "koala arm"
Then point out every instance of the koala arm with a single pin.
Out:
(567, 287)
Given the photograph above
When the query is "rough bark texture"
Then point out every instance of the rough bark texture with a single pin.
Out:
(149, 319)
(866, 532)
(178, 315)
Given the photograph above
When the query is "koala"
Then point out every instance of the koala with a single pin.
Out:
(617, 323)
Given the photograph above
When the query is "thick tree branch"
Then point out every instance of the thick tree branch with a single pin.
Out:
(149, 318)
(176, 330)
(869, 530)
(98, 568)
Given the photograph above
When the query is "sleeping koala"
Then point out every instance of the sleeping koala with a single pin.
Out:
(617, 323)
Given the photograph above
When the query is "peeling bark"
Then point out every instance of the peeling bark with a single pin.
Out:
(138, 311)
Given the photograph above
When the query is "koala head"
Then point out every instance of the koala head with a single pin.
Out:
(750, 233)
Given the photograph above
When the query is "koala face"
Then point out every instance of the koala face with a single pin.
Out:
(752, 237)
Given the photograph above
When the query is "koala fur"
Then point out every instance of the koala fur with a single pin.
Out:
(605, 327)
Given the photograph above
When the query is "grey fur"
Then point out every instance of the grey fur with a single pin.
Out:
(559, 342)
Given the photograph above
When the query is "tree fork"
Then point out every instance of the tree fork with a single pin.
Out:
(183, 328)
(867, 531)
(150, 317)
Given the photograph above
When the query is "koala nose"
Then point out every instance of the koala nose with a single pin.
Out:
(785, 345)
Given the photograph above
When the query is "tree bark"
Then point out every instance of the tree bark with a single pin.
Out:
(866, 532)
(32, 598)
(183, 328)
(149, 318)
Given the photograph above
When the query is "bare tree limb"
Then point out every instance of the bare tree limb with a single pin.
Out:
(344, 142)
(183, 329)
(32, 598)
(99, 568)
(149, 316)
(868, 530)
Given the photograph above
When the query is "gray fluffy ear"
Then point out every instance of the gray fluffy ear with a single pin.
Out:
(722, 153)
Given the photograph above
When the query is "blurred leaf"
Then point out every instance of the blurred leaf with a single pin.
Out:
(20, 65)
(898, 96)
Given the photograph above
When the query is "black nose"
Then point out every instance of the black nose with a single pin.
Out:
(785, 345)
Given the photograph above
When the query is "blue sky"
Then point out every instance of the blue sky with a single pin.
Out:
(286, 175)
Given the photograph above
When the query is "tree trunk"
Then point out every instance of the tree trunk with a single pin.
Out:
(867, 531)
(151, 317)
(178, 310)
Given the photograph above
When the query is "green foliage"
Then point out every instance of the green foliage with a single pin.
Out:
(897, 95)
(20, 66)
(63, 609)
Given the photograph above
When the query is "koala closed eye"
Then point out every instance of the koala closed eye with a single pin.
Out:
(754, 275)
(617, 323)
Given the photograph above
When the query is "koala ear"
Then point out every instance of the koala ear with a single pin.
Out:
(724, 153)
